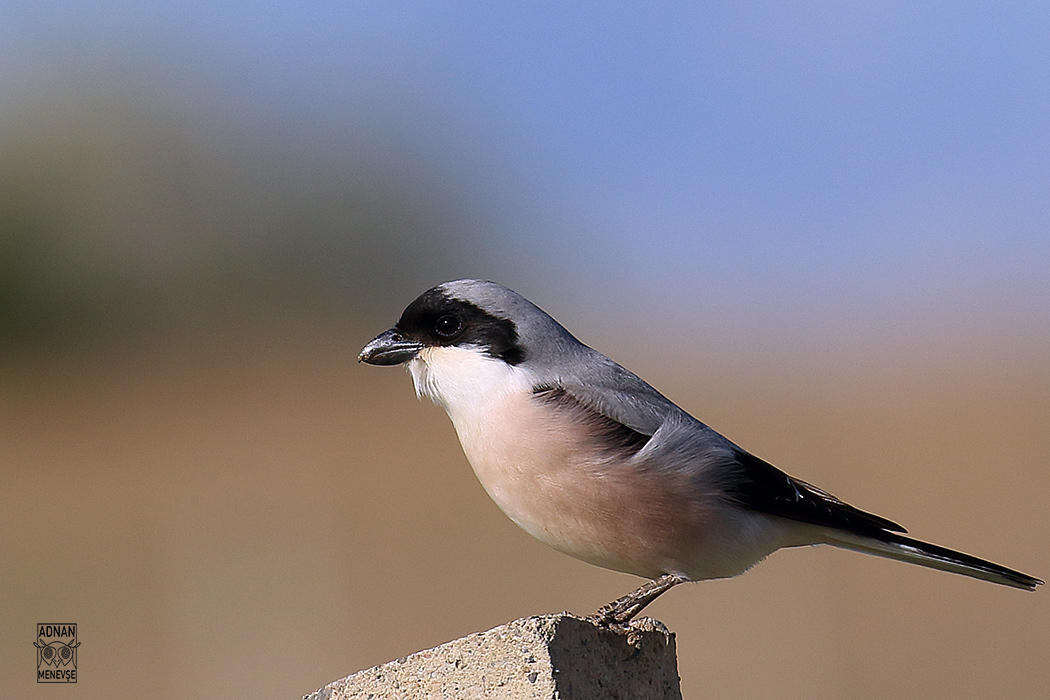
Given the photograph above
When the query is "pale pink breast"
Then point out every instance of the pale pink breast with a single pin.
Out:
(542, 469)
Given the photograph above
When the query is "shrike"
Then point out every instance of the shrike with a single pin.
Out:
(588, 458)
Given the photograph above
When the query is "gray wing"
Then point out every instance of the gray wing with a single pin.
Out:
(607, 388)
(629, 412)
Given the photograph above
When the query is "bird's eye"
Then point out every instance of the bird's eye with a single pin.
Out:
(447, 326)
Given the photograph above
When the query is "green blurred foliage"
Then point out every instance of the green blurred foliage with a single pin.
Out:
(124, 212)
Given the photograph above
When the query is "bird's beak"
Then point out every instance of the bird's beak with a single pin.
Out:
(389, 348)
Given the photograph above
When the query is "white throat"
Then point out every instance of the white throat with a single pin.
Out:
(464, 381)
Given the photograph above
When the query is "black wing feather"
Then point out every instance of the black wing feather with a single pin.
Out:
(765, 488)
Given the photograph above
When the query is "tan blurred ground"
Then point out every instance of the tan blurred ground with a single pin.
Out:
(260, 515)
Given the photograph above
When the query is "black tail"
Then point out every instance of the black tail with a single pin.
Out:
(901, 548)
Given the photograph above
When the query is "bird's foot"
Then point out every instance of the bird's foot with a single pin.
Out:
(618, 613)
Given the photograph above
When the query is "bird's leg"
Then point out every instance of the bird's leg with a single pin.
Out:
(621, 610)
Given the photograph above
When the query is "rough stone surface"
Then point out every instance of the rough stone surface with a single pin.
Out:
(550, 656)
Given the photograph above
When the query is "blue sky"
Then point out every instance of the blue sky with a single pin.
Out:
(795, 163)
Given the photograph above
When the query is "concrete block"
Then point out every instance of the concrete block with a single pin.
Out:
(551, 657)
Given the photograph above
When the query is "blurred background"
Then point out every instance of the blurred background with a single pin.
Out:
(822, 228)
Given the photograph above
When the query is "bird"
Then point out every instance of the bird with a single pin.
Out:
(587, 457)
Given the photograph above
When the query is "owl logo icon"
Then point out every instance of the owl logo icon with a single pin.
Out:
(56, 653)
